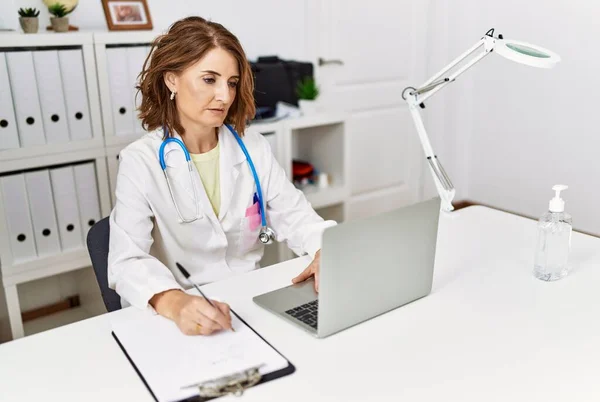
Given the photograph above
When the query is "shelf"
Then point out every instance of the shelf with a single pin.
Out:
(65, 317)
(321, 198)
(318, 119)
(113, 150)
(122, 140)
(44, 267)
(265, 127)
(296, 123)
(25, 158)
(49, 149)
(43, 38)
(17, 39)
(125, 38)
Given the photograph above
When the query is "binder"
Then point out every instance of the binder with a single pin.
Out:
(200, 368)
(18, 219)
(43, 217)
(25, 98)
(135, 61)
(76, 95)
(120, 90)
(54, 113)
(9, 136)
(112, 162)
(67, 210)
(87, 196)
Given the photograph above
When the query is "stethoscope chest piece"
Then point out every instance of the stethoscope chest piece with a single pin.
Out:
(266, 235)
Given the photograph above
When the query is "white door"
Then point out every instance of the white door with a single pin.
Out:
(368, 52)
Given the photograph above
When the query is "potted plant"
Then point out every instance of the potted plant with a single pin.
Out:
(60, 21)
(307, 92)
(29, 19)
(70, 5)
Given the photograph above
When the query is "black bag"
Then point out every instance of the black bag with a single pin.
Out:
(276, 80)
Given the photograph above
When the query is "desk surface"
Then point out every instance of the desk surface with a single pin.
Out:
(488, 331)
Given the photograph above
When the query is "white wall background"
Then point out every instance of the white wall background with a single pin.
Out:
(508, 132)
(254, 22)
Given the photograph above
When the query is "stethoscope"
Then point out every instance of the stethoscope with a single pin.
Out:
(266, 235)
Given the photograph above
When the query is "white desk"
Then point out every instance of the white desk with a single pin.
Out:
(489, 331)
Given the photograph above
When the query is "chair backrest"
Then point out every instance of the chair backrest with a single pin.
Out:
(97, 243)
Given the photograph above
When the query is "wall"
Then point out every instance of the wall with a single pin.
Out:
(509, 132)
(253, 22)
(248, 20)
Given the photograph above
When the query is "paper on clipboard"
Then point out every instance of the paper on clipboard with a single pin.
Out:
(170, 361)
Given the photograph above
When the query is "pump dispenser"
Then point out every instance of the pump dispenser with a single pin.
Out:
(557, 204)
(554, 240)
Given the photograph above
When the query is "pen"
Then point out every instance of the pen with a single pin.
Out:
(187, 276)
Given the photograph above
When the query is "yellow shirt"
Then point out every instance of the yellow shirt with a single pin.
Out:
(207, 165)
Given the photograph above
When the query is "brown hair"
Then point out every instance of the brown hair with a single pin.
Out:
(186, 42)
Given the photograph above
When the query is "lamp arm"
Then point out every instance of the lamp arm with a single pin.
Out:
(415, 98)
(455, 62)
(488, 43)
(443, 184)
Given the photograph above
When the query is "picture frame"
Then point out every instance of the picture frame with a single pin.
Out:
(126, 15)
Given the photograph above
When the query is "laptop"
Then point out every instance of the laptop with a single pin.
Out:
(368, 267)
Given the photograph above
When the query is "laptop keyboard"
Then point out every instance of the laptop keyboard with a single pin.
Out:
(307, 313)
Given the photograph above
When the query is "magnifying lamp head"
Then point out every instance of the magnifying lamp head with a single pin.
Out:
(526, 53)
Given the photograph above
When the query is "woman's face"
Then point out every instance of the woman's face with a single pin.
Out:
(206, 89)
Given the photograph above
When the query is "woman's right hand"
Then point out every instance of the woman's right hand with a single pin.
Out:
(193, 314)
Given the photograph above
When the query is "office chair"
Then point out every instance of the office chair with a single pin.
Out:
(97, 243)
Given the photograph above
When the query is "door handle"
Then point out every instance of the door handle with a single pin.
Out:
(323, 61)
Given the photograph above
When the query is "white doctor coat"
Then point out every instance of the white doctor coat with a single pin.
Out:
(147, 238)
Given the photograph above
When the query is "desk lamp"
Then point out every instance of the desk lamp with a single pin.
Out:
(519, 52)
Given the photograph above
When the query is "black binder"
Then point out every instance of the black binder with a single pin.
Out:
(244, 380)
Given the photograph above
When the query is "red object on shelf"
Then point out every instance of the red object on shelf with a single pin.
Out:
(301, 170)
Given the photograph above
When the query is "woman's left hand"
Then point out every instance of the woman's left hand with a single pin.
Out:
(311, 270)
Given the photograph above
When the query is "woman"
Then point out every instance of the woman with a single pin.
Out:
(197, 87)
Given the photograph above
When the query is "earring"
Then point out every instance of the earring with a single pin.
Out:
(173, 95)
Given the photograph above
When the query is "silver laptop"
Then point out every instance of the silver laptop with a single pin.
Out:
(368, 267)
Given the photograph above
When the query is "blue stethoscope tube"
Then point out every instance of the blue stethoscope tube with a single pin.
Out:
(266, 235)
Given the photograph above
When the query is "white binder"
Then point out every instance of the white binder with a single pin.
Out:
(112, 162)
(121, 89)
(87, 195)
(43, 217)
(47, 72)
(9, 136)
(18, 219)
(25, 98)
(67, 208)
(75, 89)
(135, 61)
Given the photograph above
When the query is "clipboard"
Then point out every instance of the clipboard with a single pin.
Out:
(230, 384)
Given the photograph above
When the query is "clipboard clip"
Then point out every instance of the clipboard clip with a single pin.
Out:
(232, 384)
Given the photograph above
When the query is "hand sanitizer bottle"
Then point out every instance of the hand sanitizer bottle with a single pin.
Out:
(554, 241)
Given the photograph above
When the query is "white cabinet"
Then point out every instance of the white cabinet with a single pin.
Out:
(71, 134)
